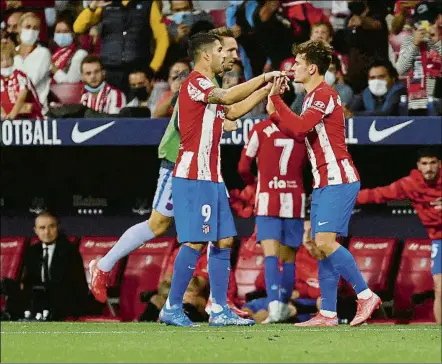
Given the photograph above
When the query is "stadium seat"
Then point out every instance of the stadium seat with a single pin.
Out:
(219, 17)
(374, 257)
(143, 270)
(250, 264)
(67, 93)
(11, 257)
(414, 277)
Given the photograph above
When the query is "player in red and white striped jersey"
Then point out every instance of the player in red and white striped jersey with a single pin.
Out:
(279, 207)
(99, 95)
(201, 207)
(336, 180)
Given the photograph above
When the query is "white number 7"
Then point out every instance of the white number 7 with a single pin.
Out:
(287, 145)
(206, 211)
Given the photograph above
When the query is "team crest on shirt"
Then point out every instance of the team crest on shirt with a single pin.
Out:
(319, 104)
(194, 93)
(204, 84)
(206, 228)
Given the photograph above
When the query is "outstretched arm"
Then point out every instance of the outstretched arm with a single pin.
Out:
(395, 191)
(241, 108)
(241, 91)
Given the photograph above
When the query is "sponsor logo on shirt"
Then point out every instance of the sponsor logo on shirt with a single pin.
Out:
(194, 93)
(277, 183)
(204, 84)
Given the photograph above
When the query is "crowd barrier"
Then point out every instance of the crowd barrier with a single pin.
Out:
(137, 131)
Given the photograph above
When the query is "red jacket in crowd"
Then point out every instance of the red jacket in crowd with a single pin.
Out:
(423, 196)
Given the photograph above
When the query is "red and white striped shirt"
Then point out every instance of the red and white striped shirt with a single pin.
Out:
(109, 100)
(201, 127)
(323, 121)
(280, 160)
(11, 88)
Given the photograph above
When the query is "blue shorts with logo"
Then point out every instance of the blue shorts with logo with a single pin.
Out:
(287, 231)
(332, 207)
(202, 211)
(436, 257)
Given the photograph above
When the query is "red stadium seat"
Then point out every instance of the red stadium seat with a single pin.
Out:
(219, 17)
(250, 265)
(144, 268)
(374, 257)
(414, 277)
(11, 257)
(67, 93)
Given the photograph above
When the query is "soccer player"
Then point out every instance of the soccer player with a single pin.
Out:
(279, 206)
(201, 206)
(336, 180)
(423, 187)
(162, 208)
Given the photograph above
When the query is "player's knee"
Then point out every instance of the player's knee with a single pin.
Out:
(325, 241)
(288, 254)
(270, 247)
(159, 223)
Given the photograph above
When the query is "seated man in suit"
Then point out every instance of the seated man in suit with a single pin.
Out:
(54, 281)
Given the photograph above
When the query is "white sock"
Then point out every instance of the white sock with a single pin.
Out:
(132, 238)
(365, 294)
(329, 314)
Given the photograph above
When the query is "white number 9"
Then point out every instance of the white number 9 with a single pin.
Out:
(206, 211)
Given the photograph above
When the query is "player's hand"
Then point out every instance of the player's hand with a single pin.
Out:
(230, 125)
(278, 86)
(270, 107)
(270, 76)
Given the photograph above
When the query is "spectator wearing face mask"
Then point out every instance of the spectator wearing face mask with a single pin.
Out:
(99, 97)
(66, 57)
(182, 20)
(141, 85)
(19, 99)
(33, 59)
(420, 57)
(382, 96)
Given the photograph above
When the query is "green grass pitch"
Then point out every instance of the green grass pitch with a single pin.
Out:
(146, 342)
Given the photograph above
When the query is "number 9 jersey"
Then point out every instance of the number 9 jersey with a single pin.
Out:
(280, 161)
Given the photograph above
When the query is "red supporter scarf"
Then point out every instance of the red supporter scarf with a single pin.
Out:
(427, 64)
(61, 56)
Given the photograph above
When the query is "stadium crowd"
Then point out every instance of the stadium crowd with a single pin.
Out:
(85, 58)
(129, 58)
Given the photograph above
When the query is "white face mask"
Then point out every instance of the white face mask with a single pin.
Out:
(378, 87)
(29, 36)
(330, 78)
(7, 71)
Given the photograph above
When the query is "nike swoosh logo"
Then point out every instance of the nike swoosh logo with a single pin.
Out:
(193, 268)
(322, 223)
(79, 137)
(377, 135)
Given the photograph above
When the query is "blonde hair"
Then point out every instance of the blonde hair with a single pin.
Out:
(8, 49)
(27, 15)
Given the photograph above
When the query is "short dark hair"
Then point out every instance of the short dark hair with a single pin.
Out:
(199, 42)
(91, 59)
(380, 62)
(147, 71)
(315, 52)
(67, 18)
(428, 152)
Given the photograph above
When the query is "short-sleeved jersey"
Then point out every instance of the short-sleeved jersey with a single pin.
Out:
(331, 162)
(201, 127)
(11, 88)
(280, 161)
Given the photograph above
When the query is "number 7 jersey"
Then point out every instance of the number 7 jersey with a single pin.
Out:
(280, 161)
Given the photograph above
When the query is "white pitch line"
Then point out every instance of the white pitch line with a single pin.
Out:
(196, 331)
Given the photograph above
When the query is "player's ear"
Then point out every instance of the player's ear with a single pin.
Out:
(311, 69)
